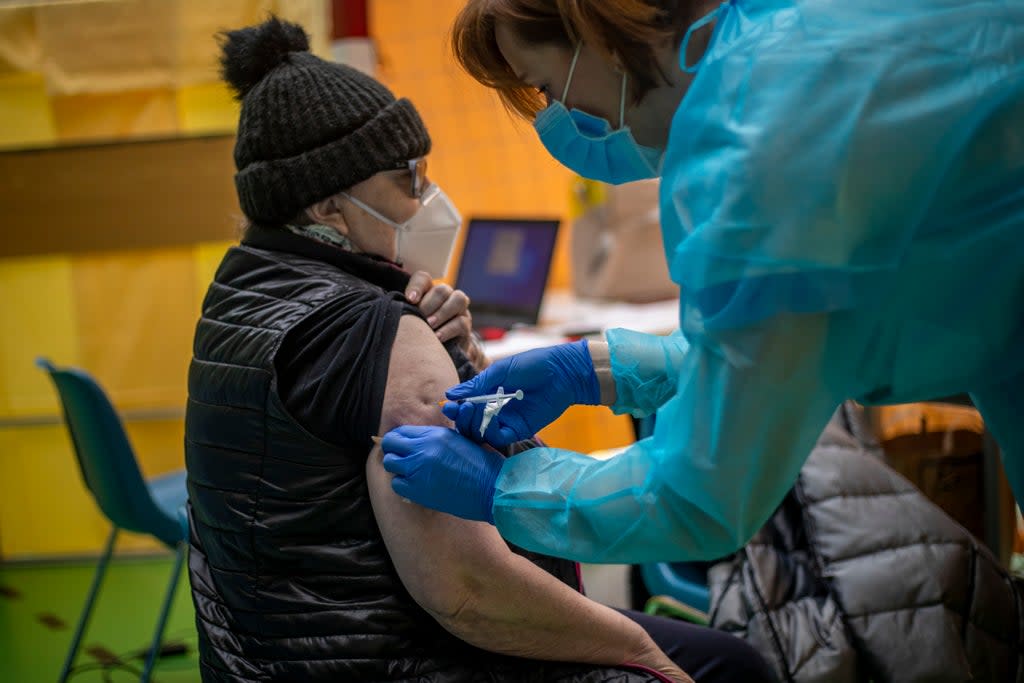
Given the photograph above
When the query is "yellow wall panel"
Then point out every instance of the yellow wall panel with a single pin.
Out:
(136, 313)
(37, 318)
(206, 108)
(312, 15)
(133, 113)
(25, 111)
(46, 508)
(107, 46)
(488, 163)
(207, 258)
(138, 44)
(19, 40)
(198, 22)
(159, 445)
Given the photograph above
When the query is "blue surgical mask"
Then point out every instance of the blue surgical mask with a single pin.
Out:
(589, 146)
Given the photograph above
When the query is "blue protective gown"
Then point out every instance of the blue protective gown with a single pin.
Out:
(842, 205)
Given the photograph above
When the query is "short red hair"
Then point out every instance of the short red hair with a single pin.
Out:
(627, 29)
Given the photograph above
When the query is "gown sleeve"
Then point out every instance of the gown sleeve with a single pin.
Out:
(727, 447)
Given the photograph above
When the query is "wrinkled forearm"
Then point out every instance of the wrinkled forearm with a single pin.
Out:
(521, 610)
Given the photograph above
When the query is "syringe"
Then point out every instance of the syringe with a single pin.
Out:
(491, 397)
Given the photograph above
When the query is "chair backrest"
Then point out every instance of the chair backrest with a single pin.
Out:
(105, 455)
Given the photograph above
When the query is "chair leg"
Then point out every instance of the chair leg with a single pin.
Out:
(83, 620)
(165, 610)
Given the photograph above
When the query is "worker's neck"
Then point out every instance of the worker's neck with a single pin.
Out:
(652, 118)
(662, 102)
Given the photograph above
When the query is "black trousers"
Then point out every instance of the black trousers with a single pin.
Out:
(707, 655)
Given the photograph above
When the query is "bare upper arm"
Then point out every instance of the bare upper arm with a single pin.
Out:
(435, 554)
(419, 373)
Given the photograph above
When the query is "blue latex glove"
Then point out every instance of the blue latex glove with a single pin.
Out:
(552, 379)
(439, 469)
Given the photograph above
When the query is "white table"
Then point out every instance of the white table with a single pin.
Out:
(563, 315)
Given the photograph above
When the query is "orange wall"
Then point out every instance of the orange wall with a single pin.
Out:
(486, 162)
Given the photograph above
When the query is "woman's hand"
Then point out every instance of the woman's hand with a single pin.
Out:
(674, 673)
(447, 313)
(652, 657)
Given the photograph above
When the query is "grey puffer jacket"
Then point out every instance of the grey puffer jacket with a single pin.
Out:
(859, 577)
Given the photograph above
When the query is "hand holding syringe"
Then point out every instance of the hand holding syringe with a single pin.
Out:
(494, 404)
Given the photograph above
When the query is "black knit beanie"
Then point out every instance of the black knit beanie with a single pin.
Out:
(308, 128)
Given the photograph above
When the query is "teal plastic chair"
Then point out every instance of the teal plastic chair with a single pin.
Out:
(111, 473)
(687, 582)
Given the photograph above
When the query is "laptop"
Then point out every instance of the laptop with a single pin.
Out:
(504, 269)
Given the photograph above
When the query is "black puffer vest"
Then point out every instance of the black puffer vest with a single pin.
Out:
(290, 577)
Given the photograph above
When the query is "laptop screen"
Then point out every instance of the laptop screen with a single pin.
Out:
(504, 267)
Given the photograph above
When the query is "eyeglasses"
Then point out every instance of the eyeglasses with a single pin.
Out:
(417, 168)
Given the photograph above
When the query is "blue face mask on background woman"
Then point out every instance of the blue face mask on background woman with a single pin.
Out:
(587, 144)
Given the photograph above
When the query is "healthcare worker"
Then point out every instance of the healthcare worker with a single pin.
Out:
(842, 204)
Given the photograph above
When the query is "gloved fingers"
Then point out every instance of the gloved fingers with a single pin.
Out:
(450, 410)
(402, 487)
(416, 431)
(487, 382)
(402, 440)
(468, 419)
(499, 433)
(469, 416)
(466, 389)
(398, 465)
(500, 436)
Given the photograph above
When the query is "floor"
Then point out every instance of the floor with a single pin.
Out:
(40, 605)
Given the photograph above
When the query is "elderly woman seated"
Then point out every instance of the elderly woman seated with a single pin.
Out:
(305, 566)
